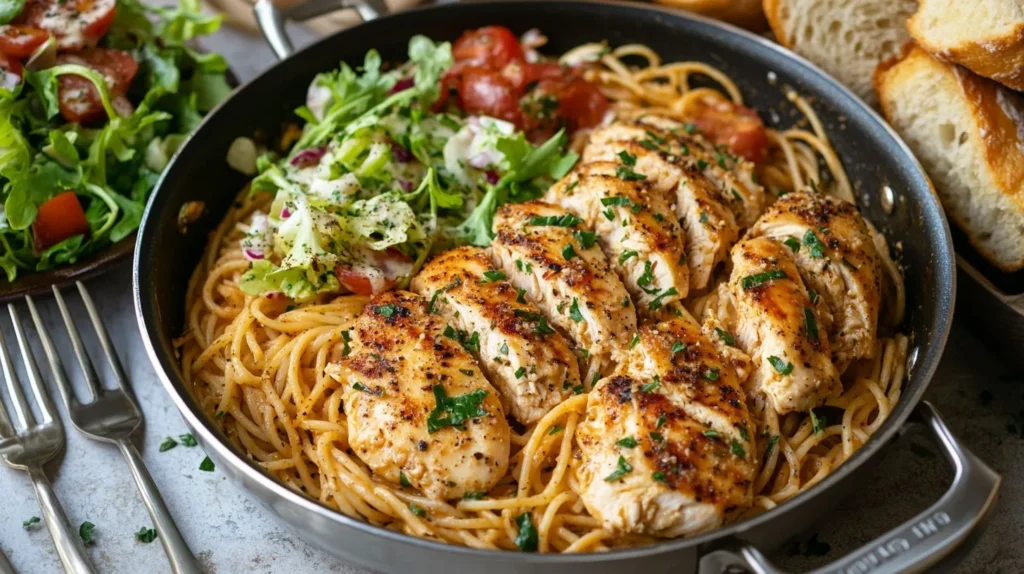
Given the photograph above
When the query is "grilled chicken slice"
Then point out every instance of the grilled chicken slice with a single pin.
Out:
(634, 227)
(709, 226)
(533, 371)
(667, 443)
(417, 404)
(572, 285)
(838, 261)
(776, 324)
(732, 176)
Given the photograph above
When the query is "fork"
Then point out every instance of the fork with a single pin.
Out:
(110, 415)
(30, 444)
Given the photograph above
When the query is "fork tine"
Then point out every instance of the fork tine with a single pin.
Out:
(35, 380)
(101, 334)
(21, 410)
(56, 365)
(76, 343)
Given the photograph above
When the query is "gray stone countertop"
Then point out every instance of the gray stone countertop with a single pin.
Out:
(981, 400)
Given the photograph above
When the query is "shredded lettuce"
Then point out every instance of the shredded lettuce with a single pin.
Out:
(112, 168)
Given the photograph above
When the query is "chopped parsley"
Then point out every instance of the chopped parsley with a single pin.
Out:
(627, 158)
(659, 476)
(678, 347)
(710, 433)
(86, 533)
(737, 449)
(473, 495)
(703, 217)
(656, 303)
(146, 535)
(793, 243)
(187, 440)
(813, 295)
(622, 468)
(744, 434)
(569, 252)
(690, 128)
(817, 424)
(492, 276)
(520, 295)
(651, 386)
(206, 465)
(627, 442)
(648, 275)
(701, 164)
(520, 372)
(387, 311)
(711, 374)
(555, 430)
(771, 444)
(526, 538)
(626, 255)
(567, 220)
(812, 324)
(360, 387)
(455, 411)
(662, 419)
(816, 246)
(540, 321)
(168, 444)
(725, 336)
(31, 523)
(635, 341)
(656, 436)
(467, 372)
(574, 311)
(578, 390)
(346, 337)
(781, 367)
(626, 174)
(404, 480)
(758, 279)
(609, 214)
(417, 509)
(503, 349)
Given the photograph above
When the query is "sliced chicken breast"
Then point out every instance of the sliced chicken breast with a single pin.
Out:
(776, 324)
(573, 286)
(667, 443)
(732, 176)
(418, 407)
(709, 226)
(635, 228)
(534, 371)
(837, 259)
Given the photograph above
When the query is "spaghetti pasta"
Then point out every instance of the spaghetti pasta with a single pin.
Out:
(257, 364)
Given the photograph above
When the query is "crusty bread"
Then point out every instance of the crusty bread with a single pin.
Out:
(968, 132)
(846, 38)
(985, 36)
(745, 13)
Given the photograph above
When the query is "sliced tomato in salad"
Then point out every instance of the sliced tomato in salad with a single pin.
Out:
(75, 24)
(10, 72)
(490, 46)
(59, 218)
(389, 265)
(733, 125)
(21, 41)
(77, 96)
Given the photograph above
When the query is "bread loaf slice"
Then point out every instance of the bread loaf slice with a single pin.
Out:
(968, 132)
(846, 38)
(985, 36)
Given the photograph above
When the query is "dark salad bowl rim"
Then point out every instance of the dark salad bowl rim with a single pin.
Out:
(924, 366)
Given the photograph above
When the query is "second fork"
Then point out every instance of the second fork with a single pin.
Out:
(111, 415)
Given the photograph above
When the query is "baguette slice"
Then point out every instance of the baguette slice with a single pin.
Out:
(968, 132)
(846, 38)
(984, 36)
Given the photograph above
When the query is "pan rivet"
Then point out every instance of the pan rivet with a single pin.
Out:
(912, 358)
(888, 199)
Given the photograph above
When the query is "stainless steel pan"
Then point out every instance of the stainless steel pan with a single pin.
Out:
(895, 196)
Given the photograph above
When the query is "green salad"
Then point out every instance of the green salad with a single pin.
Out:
(95, 97)
(385, 173)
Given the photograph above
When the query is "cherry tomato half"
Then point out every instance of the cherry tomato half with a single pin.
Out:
(490, 46)
(21, 41)
(731, 124)
(76, 24)
(78, 98)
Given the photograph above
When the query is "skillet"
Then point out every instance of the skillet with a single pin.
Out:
(894, 194)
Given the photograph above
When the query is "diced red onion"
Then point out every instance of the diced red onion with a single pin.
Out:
(492, 176)
(252, 254)
(485, 158)
(308, 157)
(402, 85)
(406, 185)
(285, 213)
(401, 154)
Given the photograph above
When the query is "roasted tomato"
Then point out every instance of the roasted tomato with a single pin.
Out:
(734, 125)
(356, 282)
(10, 72)
(59, 218)
(21, 41)
(391, 264)
(78, 98)
(490, 46)
(76, 24)
(489, 93)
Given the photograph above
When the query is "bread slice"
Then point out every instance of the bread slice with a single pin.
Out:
(745, 13)
(968, 132)
(985, 36)
(846, 38)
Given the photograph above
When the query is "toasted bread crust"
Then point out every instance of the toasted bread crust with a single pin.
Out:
(771, 12)
(1000, 59)
(997, 116)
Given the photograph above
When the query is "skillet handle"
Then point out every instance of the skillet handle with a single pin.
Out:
(913, 546)
(272, 20)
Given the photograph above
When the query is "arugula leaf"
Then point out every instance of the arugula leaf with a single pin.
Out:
(9, 9)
